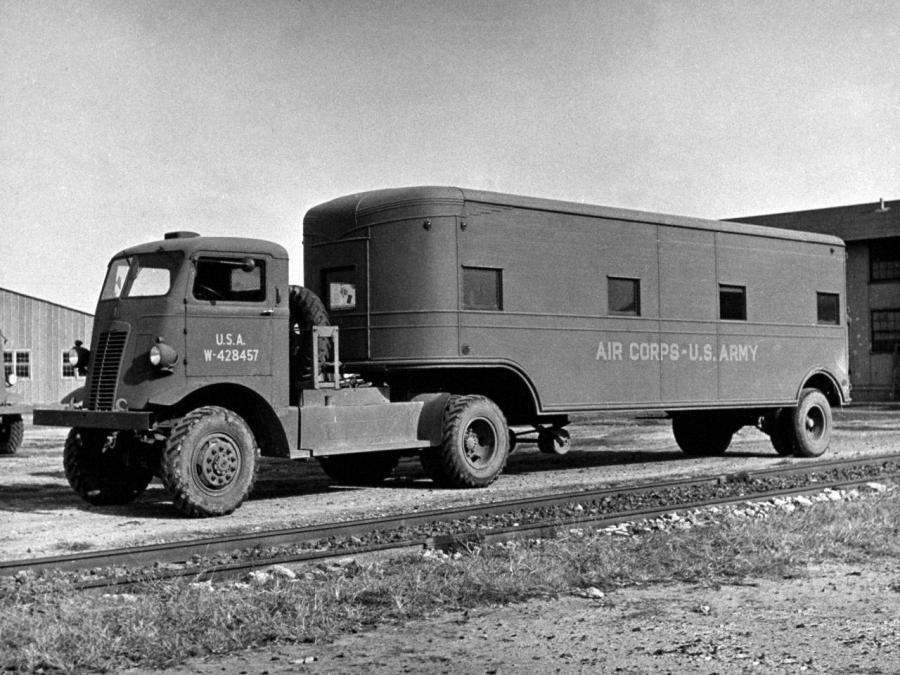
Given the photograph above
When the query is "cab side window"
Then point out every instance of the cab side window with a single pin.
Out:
(230, 279)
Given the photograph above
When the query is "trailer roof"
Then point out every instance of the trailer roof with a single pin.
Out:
(330, 218)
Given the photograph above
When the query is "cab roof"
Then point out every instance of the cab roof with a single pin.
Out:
(190, 243)
(339, 217)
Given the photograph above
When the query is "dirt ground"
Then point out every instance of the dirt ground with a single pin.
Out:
(40, 515)
(837, 620)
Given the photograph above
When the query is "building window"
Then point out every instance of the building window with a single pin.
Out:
(732, 303)
(884, 259)
(17, 361)
(482, 288)
(828, 308)
(68, 370)
(623, 296)
(885, 329)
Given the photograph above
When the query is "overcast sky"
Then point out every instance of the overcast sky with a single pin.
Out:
(122, 120)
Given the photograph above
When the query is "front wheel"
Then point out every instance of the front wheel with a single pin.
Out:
(12, 429)
(812, 424)
(106, 468)
(474, 444)
(210, 462)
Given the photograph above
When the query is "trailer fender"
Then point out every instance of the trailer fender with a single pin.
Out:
(835, 387)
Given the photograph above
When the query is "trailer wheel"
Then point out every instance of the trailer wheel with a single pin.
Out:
(12, 429)
(781, 432)
(701, 434)
(210, 462)
(360, 468)
(474, 444)
(811, 424)
(105, 468)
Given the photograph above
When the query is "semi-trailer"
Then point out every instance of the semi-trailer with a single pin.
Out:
(452, 324)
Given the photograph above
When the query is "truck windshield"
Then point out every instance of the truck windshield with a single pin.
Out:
(141, 275)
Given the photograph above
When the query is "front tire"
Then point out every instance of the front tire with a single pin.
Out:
(701, 434)
(474, 444)
(12, 430)
(105, 468)
(210, 462)
(812, 424)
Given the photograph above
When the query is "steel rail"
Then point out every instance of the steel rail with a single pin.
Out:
(182, 551)
(545, 529)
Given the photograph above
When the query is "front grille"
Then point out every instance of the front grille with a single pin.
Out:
(105, 369)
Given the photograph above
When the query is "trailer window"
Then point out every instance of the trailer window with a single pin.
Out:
(623, 296)
(828, 308)
(482, 288)
(884, 260)
(732, 303)
(885, 329)
(230, 279)
(339, 287)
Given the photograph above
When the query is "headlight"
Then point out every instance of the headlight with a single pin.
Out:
(163, 356)
(79, 357)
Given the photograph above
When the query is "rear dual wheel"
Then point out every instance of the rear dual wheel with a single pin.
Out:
(804, 431)
(474, 447)
(811, 424)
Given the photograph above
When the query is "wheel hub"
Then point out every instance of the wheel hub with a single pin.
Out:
(479, 442)
(218, 462)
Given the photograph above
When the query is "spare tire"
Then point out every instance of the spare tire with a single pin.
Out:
(307, 310)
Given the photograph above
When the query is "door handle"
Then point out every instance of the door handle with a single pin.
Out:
(267, 312)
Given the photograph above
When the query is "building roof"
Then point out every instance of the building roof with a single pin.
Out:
(46, 302)
(857, 222)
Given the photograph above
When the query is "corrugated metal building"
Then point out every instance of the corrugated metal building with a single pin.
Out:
(872, 233)
(38, 335)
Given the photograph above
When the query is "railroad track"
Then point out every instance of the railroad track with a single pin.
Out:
(539, 516)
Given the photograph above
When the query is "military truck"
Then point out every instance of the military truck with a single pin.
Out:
(455, 325)
(12, 427)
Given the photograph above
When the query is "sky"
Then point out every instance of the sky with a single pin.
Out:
(120, 121)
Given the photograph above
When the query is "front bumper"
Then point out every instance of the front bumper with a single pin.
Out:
(94, 419)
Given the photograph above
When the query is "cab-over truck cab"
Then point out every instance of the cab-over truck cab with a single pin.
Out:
(203, 358)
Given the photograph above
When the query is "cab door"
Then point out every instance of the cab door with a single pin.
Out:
(229, 314)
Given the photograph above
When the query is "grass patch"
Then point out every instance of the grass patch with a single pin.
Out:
(45, 625)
